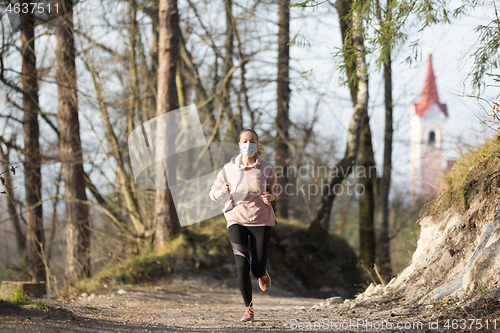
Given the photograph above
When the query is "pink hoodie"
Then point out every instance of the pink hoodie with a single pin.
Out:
(247, 184)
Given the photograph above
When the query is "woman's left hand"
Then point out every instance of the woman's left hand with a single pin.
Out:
(266, 197)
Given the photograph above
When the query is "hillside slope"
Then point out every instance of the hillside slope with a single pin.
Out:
(456, 255)
(458, 251)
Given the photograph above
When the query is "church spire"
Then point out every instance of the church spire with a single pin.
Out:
(429, 94)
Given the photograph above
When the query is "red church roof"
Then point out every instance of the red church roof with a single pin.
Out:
(429, 94)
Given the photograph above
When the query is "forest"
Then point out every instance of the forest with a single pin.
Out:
(108, 108)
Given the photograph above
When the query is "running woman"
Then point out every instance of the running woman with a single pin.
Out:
(249, 185)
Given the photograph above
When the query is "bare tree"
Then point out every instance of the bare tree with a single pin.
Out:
(359, 97)
(234, 122)
(384, 257)
(366, 178)
(77, 213)
(166, 219)
(32, 168)
(131, 203)
(133, 103)
(282, 159)
(150, 74)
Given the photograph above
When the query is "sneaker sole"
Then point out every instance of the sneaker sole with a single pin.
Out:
(269, 283)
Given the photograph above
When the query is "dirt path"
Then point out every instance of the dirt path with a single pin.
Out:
(201, 305)
(181, 306)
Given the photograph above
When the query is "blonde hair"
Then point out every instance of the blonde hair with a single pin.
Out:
(260, 148)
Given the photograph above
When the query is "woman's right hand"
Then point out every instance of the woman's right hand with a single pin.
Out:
(226, 187)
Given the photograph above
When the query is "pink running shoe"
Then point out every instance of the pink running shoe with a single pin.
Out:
(265, 282)
(248, 314)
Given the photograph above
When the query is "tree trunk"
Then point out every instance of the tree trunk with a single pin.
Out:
(282, 116)
(134, 86)
(133, 100)
(366, 159)
(366, 163)
(151, 89)
(166, 219)
(54, 225)
(345, 215)
(384, 256)
(179, 82)
(32, 168)
(77, 213)
(234, 126)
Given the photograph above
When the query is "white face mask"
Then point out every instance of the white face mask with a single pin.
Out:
(248, 149)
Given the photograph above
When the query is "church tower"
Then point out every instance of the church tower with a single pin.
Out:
(427, 119)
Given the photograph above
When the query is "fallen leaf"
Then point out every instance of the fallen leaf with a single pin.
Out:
(13, 169)
(3, 192)
(2, 180)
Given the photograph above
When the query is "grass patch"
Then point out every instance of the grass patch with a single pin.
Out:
(484, 288)
(20, 301)
(19, 298)
(471, 175)
(199, 245)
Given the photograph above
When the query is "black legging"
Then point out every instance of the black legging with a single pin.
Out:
(259, 243)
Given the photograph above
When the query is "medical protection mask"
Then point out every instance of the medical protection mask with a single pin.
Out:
(248, 149)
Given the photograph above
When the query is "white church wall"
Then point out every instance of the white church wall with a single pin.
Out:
(415, 151)
(427, 163)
